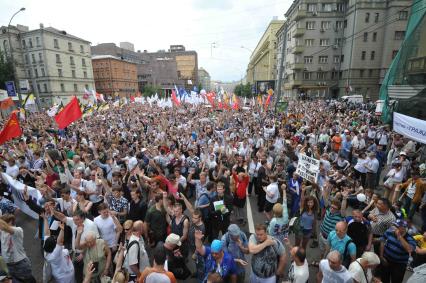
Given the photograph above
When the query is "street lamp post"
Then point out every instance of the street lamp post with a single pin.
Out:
(11, 54)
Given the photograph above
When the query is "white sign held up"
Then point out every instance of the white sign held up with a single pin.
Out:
(308, 168)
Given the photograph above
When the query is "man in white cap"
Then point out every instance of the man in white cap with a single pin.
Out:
(175, 260)
(361, 268)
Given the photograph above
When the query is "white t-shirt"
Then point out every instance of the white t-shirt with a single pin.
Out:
(88, 226)
(12, 171)
(330, 275)
(61, 263)
(107, 229)
(12, 245)
(358, 273)
(299, 274)
(131, 256)
(272, 188)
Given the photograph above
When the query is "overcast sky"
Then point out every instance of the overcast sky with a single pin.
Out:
(156, 24)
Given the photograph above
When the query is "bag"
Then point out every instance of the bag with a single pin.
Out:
(205, 212)
(346, 257)
(294, 225)
(129, 245)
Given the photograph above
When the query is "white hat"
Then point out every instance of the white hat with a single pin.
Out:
(173, 239)
(402, 153)
(361, 197)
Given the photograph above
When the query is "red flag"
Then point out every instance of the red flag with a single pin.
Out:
(132, 98)
(268, 100)
(210, 97)
(174, 98)
(69, 114)
(11, 129)
(5, 104)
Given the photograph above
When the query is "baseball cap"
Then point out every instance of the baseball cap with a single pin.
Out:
(216, 246)
(371, 257)
(234, 230)
(173, 239)
(402, 153)
(400, 223)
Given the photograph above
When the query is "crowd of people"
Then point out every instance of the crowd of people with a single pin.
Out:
(140, 193)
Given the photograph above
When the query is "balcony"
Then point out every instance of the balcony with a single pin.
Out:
(297, 66)
(417, 65)
(296, 82)
(299, 32)
(298, 49)
(299, 14)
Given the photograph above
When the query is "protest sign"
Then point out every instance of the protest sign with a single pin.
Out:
(308, 168)
(410, 127)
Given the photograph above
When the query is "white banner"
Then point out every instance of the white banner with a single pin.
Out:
(410, 127)
(308, 168)
(17, 189)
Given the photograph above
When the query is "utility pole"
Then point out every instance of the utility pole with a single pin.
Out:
(12, 56)
(281, 69)
(348, 81)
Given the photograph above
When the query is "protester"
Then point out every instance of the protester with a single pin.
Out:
(361, 268)
(332, 270)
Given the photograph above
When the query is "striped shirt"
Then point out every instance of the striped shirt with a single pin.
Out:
(384, 221)
(394, 251)
(329, 222)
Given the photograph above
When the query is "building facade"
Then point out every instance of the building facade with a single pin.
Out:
(166, 69)
(204, 79)
(262, 64)
(340, 47)
(114, 77)
(52, 63)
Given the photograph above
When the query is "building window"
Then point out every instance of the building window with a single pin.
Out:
(310, 25)
(376, 17)
(365, 36)
(326, 7)
(374, 36)
(43, 74)
(33, 58)
(345, 23)
(342, 58)
(403, 15)
(72, 61)
(29, 73)
(24, 44)
(75, 88)
(38, 41)
(324, 42)
(312, 7)
(36, 72)
(373, 54)
(81, 49)
(336, 59)
(30, 42)
(85, 74)
(62, 87)
(60, 72)
(367, 17)
(73, 73)
(370, 73)
(309, 42)
(323, 59)
(399, 35)
(307, 75)
(339, 25)
(70, 47)
(322, 75)
(325, 25)
(40, 58)
(334, 75)
(83, 62)
(58, 59)
(394, 52)
(341, 7)
(27, 59)
(308, 59)
(55, 43)
(86, 87)
(38, 88)
(338, 41)
(361, 73)
(363, 55)
(45, 87)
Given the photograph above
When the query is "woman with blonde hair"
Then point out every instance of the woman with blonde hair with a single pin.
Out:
(278, 226)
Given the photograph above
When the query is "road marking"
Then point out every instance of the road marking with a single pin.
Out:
(250, 216)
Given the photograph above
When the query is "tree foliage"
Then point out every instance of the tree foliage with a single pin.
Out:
(150, 90)
(6, 70)
(243, 90)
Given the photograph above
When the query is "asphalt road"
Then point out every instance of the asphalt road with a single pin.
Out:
(32, 243)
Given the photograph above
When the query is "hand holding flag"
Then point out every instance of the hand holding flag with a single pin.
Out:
(11, 129)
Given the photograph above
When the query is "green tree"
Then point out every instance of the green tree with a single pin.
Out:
(200, 87)
(150, 90)
(6, 70)
(243, 90)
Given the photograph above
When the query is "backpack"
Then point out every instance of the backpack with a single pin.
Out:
(205, 212)
(129, 245)
(346, 257)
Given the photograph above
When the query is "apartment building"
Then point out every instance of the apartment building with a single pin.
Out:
(340, 47)
(54, 64)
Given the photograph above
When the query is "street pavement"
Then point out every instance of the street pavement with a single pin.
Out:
(32, 243)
